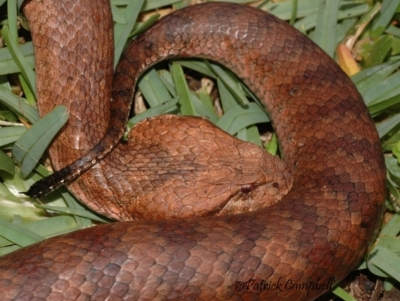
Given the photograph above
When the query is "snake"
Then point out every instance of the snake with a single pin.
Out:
(295, 249)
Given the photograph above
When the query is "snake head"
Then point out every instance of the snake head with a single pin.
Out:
(260, 180)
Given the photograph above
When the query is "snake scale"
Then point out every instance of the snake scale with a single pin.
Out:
(295, 249)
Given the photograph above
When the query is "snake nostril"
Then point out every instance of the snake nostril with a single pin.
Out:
(275, 185)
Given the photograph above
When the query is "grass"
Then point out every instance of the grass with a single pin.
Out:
(367, 30)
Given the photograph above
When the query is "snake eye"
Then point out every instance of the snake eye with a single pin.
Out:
(275, 185)
(247, 188)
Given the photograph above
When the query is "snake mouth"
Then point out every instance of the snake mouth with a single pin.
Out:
(288, 176)
(248, 198)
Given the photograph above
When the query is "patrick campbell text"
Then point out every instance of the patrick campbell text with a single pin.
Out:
(282, 285)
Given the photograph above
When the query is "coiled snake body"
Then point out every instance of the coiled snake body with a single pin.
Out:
(293, 250)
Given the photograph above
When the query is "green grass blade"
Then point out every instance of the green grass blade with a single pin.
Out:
(392, 228)
(338, 291)
(381, 105)
(250, 134)
(325, 31)
(368, 78)
(170, 105)
(117, 15)
(11, 134)
(122, 31)
(74, 211)
(386, 262)
(30, 95)
(153, 89)
(386, 126)
(230, 82)
(385, 16)
(202, 67)
(239, 118)
(228, 100)
(18, 234)
(6, 163)
(385, 89)
(19, 59)
(7, 63)
(141, 27)
(18, 105)
(272, 146)
(182, 90)
(30, 147)
(379, 50)
(12, 20)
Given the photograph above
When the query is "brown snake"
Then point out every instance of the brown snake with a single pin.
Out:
(317, 233)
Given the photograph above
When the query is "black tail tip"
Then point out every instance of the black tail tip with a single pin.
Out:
(32, 192)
